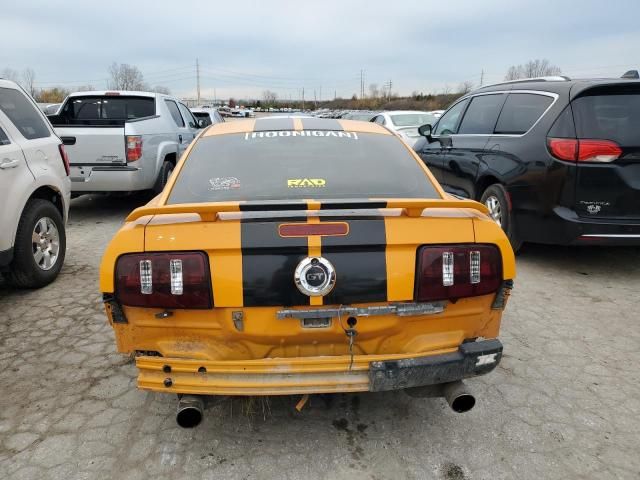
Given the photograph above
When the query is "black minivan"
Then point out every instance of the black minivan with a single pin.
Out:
(554, 160)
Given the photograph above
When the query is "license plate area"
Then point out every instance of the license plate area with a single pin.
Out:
(322, 322)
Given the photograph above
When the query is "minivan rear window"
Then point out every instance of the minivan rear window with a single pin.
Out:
(319, 164)
(106, 110)
(612, 114)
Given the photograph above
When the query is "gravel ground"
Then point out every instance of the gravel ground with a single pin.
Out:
(564, 402)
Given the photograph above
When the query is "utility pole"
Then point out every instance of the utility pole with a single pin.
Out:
(198, 80)
(361, 84)
(214, 96)
(335, 94)
(388, 86)
(320, 92)
(302, 98)
(482, 77)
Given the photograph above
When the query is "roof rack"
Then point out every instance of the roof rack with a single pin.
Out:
(553, 78)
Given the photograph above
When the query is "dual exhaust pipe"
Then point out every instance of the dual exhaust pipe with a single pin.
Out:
(191, 407)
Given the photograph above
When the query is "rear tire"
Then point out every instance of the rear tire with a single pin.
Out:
(165, 172)
(40, 246)
(495, 199)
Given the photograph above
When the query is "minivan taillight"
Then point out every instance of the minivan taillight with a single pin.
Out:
(164, 280)
(584, 150)
(450, 272)
(133, 144)
(65, 159)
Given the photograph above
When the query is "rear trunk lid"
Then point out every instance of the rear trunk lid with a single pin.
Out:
(609, 190)
(253, 264)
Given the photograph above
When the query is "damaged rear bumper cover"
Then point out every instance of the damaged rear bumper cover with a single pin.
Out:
(471, 359)
(288, 376)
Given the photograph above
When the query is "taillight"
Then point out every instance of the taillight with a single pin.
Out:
(584, 150)
(133, 145)
(164, 280)
(65, 158)
(449, 272)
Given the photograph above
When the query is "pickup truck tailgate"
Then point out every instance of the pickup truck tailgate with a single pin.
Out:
(94, 146)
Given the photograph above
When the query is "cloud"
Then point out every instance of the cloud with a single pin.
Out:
(245, 47)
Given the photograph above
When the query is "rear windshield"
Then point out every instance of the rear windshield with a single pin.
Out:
(278, 165)
(203, 116)
(106, 109)
(611, 116)
(412, 119)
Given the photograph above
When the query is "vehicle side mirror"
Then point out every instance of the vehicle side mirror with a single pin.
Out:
(202, 123)
(425, 131)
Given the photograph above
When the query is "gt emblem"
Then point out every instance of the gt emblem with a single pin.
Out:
(315, 276)
(486, 359)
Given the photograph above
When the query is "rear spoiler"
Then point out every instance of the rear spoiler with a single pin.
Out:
(412, 207)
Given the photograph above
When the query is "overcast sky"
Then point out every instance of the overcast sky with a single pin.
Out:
(245, 47)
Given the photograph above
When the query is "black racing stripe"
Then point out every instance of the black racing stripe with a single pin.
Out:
(267, 124)
(321, 124)
(352, 204)
(360, 262)
(272, 206)
(268, 265)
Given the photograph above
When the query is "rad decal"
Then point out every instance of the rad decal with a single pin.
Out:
(306, 183)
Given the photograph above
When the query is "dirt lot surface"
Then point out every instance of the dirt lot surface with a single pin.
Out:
(564, 402)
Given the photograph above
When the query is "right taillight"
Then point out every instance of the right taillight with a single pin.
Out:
(133, 144)
(584, 150)
(164, 280)
(65, 158)
(449, 272)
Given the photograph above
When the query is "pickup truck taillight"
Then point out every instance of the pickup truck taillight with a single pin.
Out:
(65, 159)
(164, 280)
(449, 272)
(133, 144)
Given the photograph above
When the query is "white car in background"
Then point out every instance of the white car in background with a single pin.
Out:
(405, 123)
(34, 192)
(210, 116)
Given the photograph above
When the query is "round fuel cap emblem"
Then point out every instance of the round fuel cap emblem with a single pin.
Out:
(315, 276)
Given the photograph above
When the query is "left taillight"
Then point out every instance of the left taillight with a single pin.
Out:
(164, 280)
(450, 272)
(133, 144)
(65, 159)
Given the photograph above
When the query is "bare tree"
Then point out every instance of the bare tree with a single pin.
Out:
(446, 90)
(532, 69)
(465, 87)
(269, 97)
(126, 77)
(374, 91)
(10, 74)
(28, 81)
(84, 88)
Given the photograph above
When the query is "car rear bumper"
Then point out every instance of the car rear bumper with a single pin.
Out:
(564, 227)
(327, 374)
(121, 178)
(593, 231)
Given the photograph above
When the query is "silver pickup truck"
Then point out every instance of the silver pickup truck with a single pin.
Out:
(119, 141)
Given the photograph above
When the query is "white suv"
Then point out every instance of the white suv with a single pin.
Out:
(34, 192)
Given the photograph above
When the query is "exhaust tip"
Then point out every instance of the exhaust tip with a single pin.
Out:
(458, 396)
(463, 403)
(190, 411)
